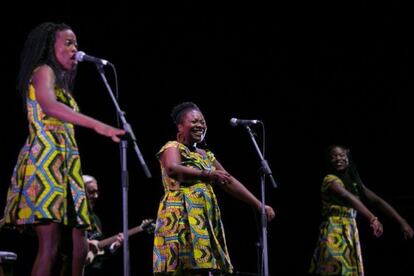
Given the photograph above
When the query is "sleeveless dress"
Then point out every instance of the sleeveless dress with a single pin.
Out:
(338, 251)
(46, 184)
(189, 234)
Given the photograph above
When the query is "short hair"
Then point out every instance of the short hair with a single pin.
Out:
(181, 109)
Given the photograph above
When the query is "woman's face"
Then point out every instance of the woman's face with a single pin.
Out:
(339, 158)
(65, 49)
(193, 127)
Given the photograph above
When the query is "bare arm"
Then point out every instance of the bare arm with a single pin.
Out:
(234, 187)
(171, 161)
(43, 81)
(389, 211)
(357, 204)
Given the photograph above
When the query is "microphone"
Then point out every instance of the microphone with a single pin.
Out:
(239, 122)
(81, 56)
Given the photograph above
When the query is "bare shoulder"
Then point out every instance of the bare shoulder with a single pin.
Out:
(43, 73)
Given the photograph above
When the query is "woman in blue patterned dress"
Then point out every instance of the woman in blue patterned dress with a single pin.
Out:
(189, 235)
(47, 189)
(338, 250)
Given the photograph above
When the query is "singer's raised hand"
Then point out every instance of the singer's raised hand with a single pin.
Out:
(109, 131)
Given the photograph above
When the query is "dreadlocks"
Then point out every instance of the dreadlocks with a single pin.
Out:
(350, 175)
(38, 50)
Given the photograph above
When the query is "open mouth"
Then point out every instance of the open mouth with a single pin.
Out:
(73, 58)
(340, 164)
(198, 132)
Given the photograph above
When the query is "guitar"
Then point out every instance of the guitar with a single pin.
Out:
(97, 247)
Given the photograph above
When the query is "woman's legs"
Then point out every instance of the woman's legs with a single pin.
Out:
(80, 249)
(48, 237)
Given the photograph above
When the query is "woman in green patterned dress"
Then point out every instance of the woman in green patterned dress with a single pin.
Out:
(189, 235)
(338, 251)
(47, 189)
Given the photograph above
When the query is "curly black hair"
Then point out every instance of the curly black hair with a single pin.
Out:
(38, 50)
(181, 109)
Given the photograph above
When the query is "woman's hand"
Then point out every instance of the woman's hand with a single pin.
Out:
(107, 130)
(407, 230)
(270, 213)
(220, 177)
(376, 226)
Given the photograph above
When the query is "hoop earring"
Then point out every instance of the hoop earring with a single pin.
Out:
(179, 137)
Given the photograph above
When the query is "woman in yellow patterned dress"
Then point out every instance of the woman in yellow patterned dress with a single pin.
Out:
(338, 250)
(46, 188)
(189, 235)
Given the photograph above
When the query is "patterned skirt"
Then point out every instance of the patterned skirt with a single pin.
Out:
(338, 251)
(189, 234)
(46, 185)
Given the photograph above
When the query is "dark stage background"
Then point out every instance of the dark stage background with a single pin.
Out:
(314, 73)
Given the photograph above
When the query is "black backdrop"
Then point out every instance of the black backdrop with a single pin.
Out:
(314, 73)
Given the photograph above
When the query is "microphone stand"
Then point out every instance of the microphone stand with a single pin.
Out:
(124, 168)
(265, 171)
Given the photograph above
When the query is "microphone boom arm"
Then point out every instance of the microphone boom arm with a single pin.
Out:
(265, 166)
(126, 126)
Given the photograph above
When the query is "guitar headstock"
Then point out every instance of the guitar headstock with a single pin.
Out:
(148, 225)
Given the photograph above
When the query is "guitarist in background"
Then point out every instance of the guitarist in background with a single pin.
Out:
(95, 265)
(96, 234)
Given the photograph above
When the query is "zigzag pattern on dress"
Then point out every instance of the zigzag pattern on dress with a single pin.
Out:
(189, 233)
(48, 173)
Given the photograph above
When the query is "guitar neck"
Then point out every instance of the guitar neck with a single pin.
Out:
(110, 240)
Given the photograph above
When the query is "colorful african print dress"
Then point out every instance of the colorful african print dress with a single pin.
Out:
(338, 251)
(46, 184)
(189, 233)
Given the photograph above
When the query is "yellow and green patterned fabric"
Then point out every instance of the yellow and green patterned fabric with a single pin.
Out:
(189, 234)
(338, 250)
(46, 184)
